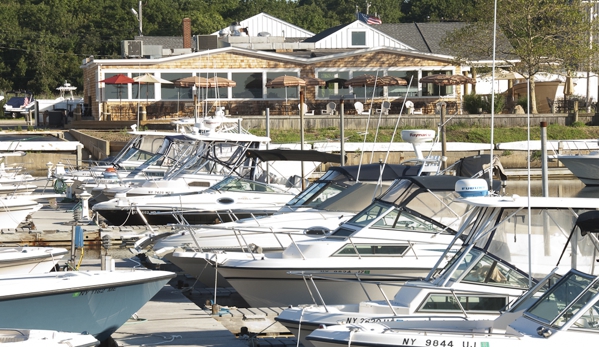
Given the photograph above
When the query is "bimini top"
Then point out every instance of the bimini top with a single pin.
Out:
(293, 155)
(372, 172)
(517, 201)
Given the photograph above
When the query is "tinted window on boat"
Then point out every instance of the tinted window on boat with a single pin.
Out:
(372, 250)
(470, 303)
(372, 212)
(488, 270)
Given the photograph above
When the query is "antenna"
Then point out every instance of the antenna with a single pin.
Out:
(138, 17)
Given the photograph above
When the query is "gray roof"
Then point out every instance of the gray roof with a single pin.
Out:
(424, 37)
(167, 42)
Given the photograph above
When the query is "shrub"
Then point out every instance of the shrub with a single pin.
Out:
(578, 124)
(499, 103)
(472, 102)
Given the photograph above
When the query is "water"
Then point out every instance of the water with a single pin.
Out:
(557, 188)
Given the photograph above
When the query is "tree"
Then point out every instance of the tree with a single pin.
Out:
(548, 35)
(438, 10)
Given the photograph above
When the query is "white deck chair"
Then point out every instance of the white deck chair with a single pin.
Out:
(385, 107)
(331, 106)
(306, 111)
(360, 108)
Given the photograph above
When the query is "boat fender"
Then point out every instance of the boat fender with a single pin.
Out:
(472, 187)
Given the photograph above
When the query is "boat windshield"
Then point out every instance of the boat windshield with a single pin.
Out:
(477, 267)
(563, 302)
(503, 232)
(236, 184)
(325, 188)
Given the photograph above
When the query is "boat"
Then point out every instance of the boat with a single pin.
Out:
(94, 302)
(45, 338)
(20, 104)
(29, 260)
(227, 200)
(398, 237)
(583, 166)
(564, 314)
(332, 199)
(13, 175)
(14, 211)
(490, 270)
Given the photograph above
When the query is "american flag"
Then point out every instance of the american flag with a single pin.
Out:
(368, 19)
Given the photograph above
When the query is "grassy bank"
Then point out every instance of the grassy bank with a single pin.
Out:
(455, 133)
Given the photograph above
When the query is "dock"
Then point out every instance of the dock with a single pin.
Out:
(181, 313)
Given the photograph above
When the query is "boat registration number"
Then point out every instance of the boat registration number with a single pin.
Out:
(94, 291)
(442, 343)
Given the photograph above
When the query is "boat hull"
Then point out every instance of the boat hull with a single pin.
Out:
(585, 167)
(97, 303)
(29, 260)
(275, 287)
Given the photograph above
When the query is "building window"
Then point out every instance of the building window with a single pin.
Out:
(334, 83)
(358, 38)
(397, 91)
(249, 85)
(431, 89)
(170, 92)
(217, 93)
(142, 91)
(115, 91)
(281, 93)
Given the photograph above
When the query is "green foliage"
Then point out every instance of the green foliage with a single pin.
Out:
(499, 102)
(472, 103)
(578, 124)
(535, 156)
(523, 101)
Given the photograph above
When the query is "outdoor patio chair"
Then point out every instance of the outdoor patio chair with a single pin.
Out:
(360, 108)
(306, 111)
(385, 107)
(331, 106)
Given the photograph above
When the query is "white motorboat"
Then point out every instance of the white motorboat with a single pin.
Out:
(583, 166)
(29, 260)
(401, 233)
(45, 338)
(564, 314)
(13, 175)
(231, 198)
(328, 202)
(484, 276)
(94, 302)
(14, 211)
(7, 189)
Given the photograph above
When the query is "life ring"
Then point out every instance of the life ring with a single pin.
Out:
(59, 186)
